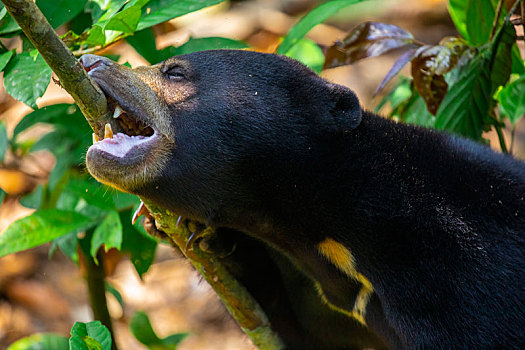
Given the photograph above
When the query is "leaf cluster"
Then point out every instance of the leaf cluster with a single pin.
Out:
(95, 336)
(455, 80)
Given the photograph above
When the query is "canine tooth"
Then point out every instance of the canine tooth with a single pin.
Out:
(118, 112)
(108, 132)
(95, 138)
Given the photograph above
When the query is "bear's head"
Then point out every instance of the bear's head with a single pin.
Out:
(196, 130)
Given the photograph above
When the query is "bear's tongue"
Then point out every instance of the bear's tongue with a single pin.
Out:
(119, 144)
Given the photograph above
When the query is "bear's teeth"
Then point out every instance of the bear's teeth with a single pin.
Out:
(108, 132)
(118, 112)
(95, 138)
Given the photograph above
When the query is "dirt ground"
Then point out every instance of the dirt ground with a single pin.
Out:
(48, 294)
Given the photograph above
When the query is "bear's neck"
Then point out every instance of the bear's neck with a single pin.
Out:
(378, 206)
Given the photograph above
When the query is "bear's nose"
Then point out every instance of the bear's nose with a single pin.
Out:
(90, 62)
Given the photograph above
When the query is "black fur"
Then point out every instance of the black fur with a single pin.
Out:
(435, 222)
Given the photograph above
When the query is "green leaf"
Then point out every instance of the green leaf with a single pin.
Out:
(458, 12)
(4, 142)
(59, 171)
(5, 58)
(124, 200)
(398, 95)
(141, 328)
(174, 339)
(68, 245)
(89, 336)
(479, 18)
(33, 200)
(26, 79)
(144, 43)
(59, 114)
(96, 35)
(138, 243)
(473, 19)
(309, 53)
(467, 102)
(313, 18)
(127, 20)
(512, 99)
(92, 192)
(39, 228)
(416, 112)
(59, 12)
(116, 294)
(518, 66)
(502, 65)
(70, 198)
(7, 24)
(2, 195)
(50, 141)
(202, 44)
(109, 233)
(158, 11)
(41, 341)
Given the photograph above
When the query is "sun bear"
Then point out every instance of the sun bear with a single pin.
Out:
(372, 233)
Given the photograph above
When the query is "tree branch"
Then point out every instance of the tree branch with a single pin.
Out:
(72, 75)
(239, 302)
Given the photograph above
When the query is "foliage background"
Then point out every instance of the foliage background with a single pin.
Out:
(38, 294)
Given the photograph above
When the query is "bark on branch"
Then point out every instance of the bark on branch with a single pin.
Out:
(239, 302)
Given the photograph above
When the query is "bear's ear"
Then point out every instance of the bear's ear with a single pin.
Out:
(346, 110)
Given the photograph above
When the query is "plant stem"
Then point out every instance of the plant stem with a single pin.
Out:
(96, 281)
(501, 139)
(522, 16)
(496, 19)
(513, 9)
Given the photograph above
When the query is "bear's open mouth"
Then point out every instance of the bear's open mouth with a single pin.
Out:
(132, 126)
(137, 133)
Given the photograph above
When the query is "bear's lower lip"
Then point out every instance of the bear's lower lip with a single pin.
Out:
(126, 162)
(122, 145)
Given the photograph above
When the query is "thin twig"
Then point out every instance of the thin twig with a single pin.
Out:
(501, 139)
(81, 52)
(499, 131)
(522, 16)
(513, 9)
(512, 134)
(96, 281)
(496, 19)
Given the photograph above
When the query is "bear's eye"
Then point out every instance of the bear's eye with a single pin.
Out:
(175, 73)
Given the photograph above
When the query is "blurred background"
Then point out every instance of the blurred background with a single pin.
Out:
(39, 293)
